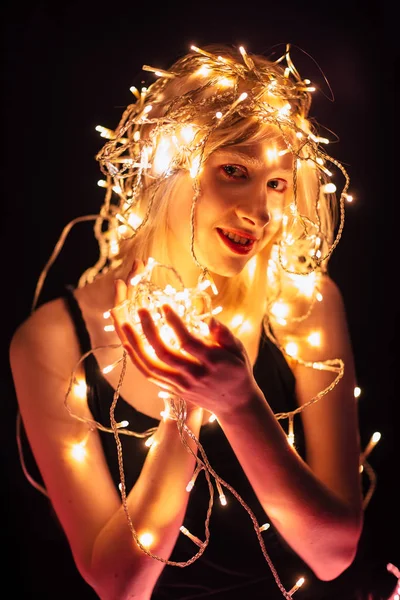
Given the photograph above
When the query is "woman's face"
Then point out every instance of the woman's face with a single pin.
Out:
(244, 189)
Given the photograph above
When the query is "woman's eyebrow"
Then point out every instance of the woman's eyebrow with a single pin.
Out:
(253, 160)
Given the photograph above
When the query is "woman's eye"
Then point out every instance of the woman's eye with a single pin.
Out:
(279, 185)
(234, 171)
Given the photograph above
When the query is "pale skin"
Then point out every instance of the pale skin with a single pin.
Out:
(315, 505)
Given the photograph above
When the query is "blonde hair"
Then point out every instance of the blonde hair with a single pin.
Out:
(224, 96)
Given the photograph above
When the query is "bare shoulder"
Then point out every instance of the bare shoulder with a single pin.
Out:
(327, 314)
(330, 291)
(47, 338)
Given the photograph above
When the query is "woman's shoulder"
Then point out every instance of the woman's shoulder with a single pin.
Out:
(47, 318)
(46, 334)
(319, 310)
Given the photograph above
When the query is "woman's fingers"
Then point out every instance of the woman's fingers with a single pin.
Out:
(158, 373)
(136, 269)
(166, 354)
(190, 343)
(225, 338)
(200, 349)
(120, 291)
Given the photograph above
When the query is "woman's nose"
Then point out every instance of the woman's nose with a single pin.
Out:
(254, 210)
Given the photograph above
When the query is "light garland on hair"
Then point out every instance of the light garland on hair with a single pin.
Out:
(280, 100)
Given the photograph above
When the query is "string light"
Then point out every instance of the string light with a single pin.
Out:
(80, 389)
(297, 586)
(146, 539)
(194, 538)
(222, 497)
(371, 444)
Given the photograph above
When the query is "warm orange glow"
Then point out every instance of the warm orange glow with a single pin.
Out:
(146, 539)
(314, 339)
(80, 389)
(297, 585)
(78, 451)
(292, 349)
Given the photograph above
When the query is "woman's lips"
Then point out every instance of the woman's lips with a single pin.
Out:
(233, 246)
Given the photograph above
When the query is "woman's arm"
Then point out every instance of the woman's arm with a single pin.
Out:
(316, 506)
(43, 353)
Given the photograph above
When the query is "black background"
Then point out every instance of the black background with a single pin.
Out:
(67, 68)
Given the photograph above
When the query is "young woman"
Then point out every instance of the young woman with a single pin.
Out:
(203, 366)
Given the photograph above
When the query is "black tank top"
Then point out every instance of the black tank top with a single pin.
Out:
(232, 566)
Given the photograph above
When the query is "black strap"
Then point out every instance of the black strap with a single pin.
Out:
(90, 364)
(77, 318)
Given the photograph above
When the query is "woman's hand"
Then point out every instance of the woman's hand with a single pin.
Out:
(213, 373)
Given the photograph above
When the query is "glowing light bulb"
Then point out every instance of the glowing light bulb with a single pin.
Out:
(134, 91)
(292, 349)
(104, 132)
(285, 110)
(371, 444)
(80, 389)
(146, 539)
(246, 326)
(357, 392)
(225, 82)
(109, 368)
(187, 133)
(314, 339)
(290, 438)
(195, 167)
(280, 310)
(203, 71)
(304, 283)
(189, 486)
(297, 585)
(78, 451)
(134, 220)
(272, 155)
(237, 321)
(251, 267)
(163, 155)
(222, 497)
(194, 538)
(329, 188)
(265, 527)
